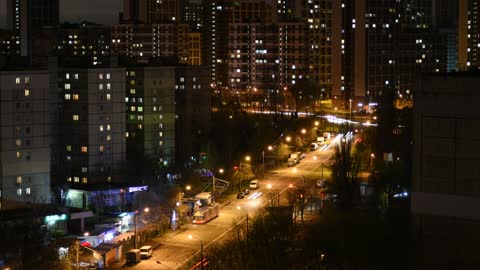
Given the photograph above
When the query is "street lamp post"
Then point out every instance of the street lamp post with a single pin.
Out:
(263, 164)
(135, 214)
(201, 249)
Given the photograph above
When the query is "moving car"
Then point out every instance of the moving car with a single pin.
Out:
(313, 147)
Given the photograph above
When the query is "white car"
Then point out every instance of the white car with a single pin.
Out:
(320, 183)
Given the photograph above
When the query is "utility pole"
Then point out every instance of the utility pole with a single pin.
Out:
(263, 164)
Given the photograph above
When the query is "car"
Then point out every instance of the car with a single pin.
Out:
(240, 195)
(254, 184)
(313, 146)
(303, 155)
(146, 252)
(246, 191)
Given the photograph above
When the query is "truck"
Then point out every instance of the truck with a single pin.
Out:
(133, 256)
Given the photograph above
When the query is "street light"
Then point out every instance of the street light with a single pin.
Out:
(220, 170)
(288, 139)
(246, 213)
(247, 158)
(135, 214)
(201, 248)
(270, 148)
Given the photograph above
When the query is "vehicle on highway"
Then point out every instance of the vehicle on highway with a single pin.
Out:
(313, 147)
(205, 214)
(240, 195)
(133, 256)
(146, 252)
(326, 136)
(254, 184)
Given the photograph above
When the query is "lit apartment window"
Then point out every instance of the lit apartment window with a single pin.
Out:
(109, 97)
(132, 82)
(76, 76)
(27, 80)
(84, 180)
(132, 108)
(108, 127)
(19, 180)
(75, 117)
(100, 86)
(140, 109)
(108, 76)
(76, 179)
(18, 142)
(68, 96)
(84, 169)
(109, 138)
(69, 179)
(18, 154)
(67, 76)
(75, 96)
(67, 86)
(19, 191)
(160, 134)
(26, 92)
(101, 148)
(84, 149)
(132, 91)
(132, 73)
(109, 86)
(28, 191)
(17, 80)
(69, 148)
(160, 142)
(100, 127)
(100, 76)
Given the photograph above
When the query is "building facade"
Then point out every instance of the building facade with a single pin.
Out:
(25, 124)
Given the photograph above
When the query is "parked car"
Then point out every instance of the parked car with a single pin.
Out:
(146, 252)
(254, 184)
(246, 191)
(313, 147)
(240, 195)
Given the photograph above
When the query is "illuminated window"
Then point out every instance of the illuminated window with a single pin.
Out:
(132, 91)
(69, 179)
(109, 138)
(160, 134)
(101, 148)
(18, 142)
(100, 128)
(67, 86)
(100, 86)
(100, 76)
(108, 76)
(76, 76)
(108, 86)
(19, 191)
(108, 127)
(27, 79)
(67, 76)
(84, 149)
(17, 80)
(75, 117)
(76, 179)
(108, 97)
(84, 169)
(140, 109)
(132, 82)
(28, 191)
(84, 180)
(67, 96)
(18, 155)
(19, 180)
(75, 96)
(69, 148)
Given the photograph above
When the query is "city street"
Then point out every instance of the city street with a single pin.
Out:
(175, 249)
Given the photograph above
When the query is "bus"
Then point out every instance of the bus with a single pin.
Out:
(205, 214)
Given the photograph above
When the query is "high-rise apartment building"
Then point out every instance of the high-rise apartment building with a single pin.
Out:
(445, 197)
(90, 131)
(25, 125)
(26, 17)
(468, 34)
(152, 11)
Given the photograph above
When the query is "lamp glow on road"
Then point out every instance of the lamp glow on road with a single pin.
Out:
(314, 157)
(294, 170)
(269, 186)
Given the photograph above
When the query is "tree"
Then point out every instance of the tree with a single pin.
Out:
(282, 152)
(345, 166)
(243, 173)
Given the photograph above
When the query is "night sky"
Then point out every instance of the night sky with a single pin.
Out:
(99, 11)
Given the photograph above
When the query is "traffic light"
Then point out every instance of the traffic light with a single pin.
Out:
(235, 167)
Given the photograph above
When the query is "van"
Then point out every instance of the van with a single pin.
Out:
(133, 256)
(291, 162)
(254, 184)
(146, 252)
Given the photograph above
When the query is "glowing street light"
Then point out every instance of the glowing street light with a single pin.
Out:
(288, 138)
(247, 158)
(201, 249)
(220, 170)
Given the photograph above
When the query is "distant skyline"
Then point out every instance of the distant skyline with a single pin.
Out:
(99, 11)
